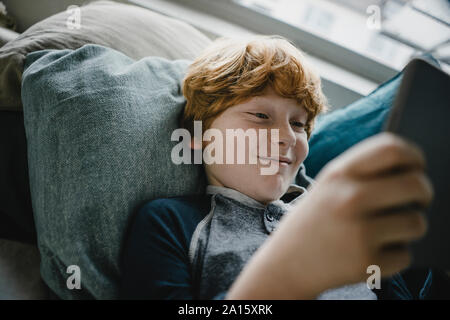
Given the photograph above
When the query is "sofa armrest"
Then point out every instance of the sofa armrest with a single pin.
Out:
(19, 272)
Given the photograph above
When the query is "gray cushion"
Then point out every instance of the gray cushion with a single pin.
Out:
(99, 128)
(135, 31)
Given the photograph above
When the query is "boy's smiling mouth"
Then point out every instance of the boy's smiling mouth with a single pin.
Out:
(283, 161)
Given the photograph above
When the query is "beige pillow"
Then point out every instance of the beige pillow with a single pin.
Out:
(7, 35)
(135, 31)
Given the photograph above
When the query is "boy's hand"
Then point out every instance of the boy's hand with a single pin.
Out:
(351, 219)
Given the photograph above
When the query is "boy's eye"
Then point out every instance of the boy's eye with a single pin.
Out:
(261, 115)
(298, 124)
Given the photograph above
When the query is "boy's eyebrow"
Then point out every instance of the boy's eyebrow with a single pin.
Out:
(261, 102)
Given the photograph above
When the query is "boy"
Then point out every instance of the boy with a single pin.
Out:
(255, 236)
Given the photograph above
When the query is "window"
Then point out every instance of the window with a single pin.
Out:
(389, 32)
(355, 44)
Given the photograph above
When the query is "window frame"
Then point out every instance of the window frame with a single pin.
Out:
(315, 45)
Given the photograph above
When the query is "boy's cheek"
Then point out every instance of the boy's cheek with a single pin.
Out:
(302, 151)
(306, 151)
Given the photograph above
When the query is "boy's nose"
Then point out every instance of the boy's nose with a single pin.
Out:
(287, 136)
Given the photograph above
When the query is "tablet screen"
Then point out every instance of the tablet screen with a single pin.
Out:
(421, 114)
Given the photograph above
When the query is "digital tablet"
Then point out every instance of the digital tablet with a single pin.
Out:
(421, 113)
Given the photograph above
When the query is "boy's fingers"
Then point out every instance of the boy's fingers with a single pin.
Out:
(381, 154)
(393, 259)
(398, 227)
(396, 190)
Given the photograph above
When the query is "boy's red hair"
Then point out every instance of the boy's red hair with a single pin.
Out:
(231, 71)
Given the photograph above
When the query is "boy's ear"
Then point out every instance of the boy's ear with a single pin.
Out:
(195, 144)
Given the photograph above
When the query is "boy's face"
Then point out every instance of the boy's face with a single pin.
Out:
(267, 111)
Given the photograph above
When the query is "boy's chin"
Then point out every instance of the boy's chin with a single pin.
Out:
(273, 189)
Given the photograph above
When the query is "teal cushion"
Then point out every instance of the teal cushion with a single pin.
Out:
(95, 121)
(338, 130)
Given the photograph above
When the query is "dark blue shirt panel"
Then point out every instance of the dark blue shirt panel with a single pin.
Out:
(155, 262)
